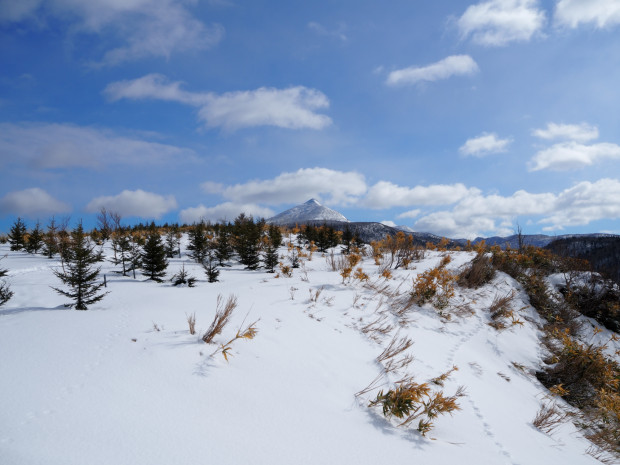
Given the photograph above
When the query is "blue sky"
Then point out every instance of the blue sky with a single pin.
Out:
(455, 117)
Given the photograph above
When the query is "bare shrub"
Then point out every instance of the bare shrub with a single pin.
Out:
(223, 312)
(500, 307)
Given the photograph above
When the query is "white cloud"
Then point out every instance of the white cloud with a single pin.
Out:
(410, 214)
(585, 202)
(499, 22)
(335, 187)
(484, 144)
(479, 215)
(45, 145)
(227, 211)
(602, 13)
(138, 24)
(291, 108)
(31, 203)
(455, 65)
(135, 203)
(582, 132)
(323, 31)
(384, 194)
(573, 155)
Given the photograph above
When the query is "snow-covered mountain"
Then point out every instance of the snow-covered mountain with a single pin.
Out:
(309, 211)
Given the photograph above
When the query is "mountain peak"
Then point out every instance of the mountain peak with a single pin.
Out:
(308, 211)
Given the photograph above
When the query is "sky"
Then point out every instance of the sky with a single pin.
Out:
(458, 118)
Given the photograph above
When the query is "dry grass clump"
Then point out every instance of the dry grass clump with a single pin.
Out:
(397, 251)
(548, 418)
(479, 272)
(409, 401)
(191, 321)
(223, 312)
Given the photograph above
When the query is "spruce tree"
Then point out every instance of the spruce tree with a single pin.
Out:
(274, 240)
(223, 248)
(247, 240)
(210, 267)
(35, 240)
(50, 239)
(154, 262)
(5, 290)
(173, 242)
(198, 242)
(17, 235)
(78, 273)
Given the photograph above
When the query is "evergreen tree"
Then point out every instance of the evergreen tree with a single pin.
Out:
(210, 267)
(17, 235)
(198, 242)
(79, 273)
(50, 239)
(223, 248)
(274, 240)
(247, 239)
(173, 242)
(35, 240)
(153, 256)
(5, 290)
(183, 277)
(347, 238)
(121, 244)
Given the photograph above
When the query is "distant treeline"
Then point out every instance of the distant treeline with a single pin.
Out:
(603, 253)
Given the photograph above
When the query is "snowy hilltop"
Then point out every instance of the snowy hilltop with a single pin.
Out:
(386, 354)
(310, 211)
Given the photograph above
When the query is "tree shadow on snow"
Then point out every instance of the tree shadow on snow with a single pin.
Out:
(18, 310)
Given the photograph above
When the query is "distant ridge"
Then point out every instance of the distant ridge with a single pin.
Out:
(310, 211)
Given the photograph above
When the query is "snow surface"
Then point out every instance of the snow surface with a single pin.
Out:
(125, 382)
(309, 211)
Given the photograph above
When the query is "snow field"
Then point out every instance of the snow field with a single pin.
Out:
(105, 386)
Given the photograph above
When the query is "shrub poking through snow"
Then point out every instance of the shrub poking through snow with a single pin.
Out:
(183, 278)
(223, 312)
(479, 272)
(5, 290)
(249, 332)
(548, 418)
(191, 321)
(435, 286)
(410, 401)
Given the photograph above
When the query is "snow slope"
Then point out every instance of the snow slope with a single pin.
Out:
(125, 382)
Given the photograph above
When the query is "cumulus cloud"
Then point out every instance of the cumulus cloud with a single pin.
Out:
(225, 211)
(585, 202)
(573, 155)
(582, 132)
(334, 187)
(51, 145)
(385, 194)
(31, 203)
(455, 65)
(137, 24)
(135, 203)
(499, 22)
(291, 108)
(484, 144)
(601, 13)
(478, 215)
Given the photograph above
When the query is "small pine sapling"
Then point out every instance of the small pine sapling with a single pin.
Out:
(78, 273)
(183, 278)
